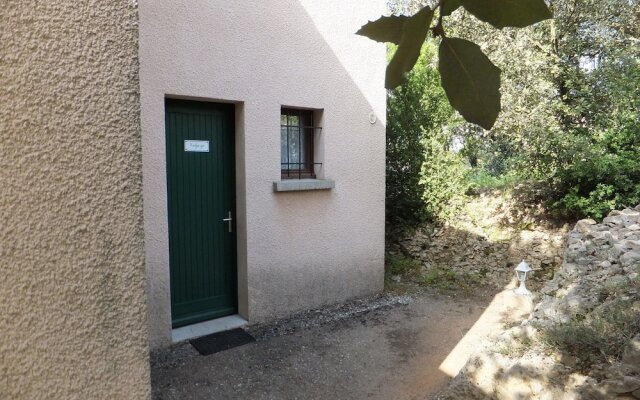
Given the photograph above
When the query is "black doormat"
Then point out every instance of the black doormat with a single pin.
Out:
(221, 341)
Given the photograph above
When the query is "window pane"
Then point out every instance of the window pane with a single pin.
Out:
(296, 149)
(292, 154)
(295, 139)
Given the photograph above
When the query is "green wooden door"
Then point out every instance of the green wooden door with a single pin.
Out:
(201, 195)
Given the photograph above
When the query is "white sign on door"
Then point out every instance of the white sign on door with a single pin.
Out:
(196, 146)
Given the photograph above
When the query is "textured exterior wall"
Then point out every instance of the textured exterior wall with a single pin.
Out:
(72, 300)
(295, 250)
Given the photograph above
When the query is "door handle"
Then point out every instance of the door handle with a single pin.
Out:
(228, 219)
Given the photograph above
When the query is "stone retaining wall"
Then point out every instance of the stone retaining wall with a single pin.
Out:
(597, 281)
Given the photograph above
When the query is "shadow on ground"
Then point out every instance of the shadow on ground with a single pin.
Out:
(392, 352)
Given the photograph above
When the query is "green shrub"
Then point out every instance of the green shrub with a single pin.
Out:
(442, 179)
(480, 180)
(423, 175)
(595, 204)
(603, 176)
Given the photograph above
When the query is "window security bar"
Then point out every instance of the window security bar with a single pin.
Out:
(299, 170)
(301, 127)
(297, 140)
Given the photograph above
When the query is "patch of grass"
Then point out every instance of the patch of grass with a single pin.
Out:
(600, 337)
(443, 278)
(399, 265)
(446, 278)
(511, 323)
(612, 291)
(498, 234)
(515, 348)
(525, 226)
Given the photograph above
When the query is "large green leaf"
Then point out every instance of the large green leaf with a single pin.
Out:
(470, 80)
(384, 29)
(501, 13)
(414, 33)
(449, 6)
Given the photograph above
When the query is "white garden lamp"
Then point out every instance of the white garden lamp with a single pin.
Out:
(522, 271)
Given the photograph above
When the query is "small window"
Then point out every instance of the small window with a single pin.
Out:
(297, 132)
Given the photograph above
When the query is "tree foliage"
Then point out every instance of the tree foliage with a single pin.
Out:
(423, 176)
(569, 122)
(570, 117)
(470, 80)
(527, 136)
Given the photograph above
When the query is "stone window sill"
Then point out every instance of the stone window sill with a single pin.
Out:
(295, 185)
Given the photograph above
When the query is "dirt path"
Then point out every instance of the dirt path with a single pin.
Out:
(381, 349)
(402, 351)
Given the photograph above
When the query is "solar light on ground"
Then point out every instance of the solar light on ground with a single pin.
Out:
(522, 272)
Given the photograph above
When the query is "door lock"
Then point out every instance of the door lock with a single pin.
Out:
(228, 219)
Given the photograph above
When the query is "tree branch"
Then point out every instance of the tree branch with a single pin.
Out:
(438, 29)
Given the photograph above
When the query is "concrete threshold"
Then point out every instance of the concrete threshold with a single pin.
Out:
(206, 328)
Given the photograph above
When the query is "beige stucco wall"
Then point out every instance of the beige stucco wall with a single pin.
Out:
(72, 301)
(295, 250)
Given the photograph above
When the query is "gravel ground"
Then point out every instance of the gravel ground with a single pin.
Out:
(385, 347)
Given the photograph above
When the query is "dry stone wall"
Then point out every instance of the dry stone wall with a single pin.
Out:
(486, 243)
(566, 349)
